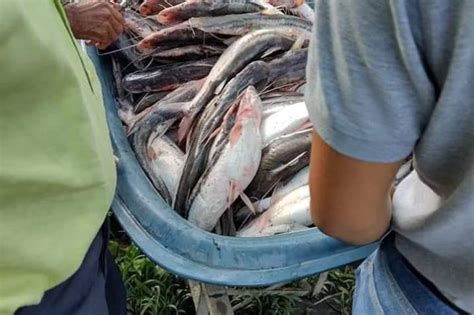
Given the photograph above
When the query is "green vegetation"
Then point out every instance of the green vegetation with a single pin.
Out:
(151, 291)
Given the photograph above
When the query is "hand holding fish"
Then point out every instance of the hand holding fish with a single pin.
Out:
(99, 21)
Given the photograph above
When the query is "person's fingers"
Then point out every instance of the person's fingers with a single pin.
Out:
(118, 28)
(116, 14)
(113, 33)
(109, 38)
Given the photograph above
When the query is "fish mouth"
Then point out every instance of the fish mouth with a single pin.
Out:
(145, 10)
(166, 18)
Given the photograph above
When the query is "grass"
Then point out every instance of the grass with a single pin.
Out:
(152, 291)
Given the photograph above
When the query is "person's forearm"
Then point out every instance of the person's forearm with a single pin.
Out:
(350, 199)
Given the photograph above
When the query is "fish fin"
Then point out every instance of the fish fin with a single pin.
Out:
(220, 87)
(248, 203)
(274, 196)
(264, 204)
(270, 11)
(208, 138)
(270, 51)
(299, 43)
(290, 163)
(307, 125)
(184, 128)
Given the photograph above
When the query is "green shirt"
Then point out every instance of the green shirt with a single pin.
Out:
(57, 173)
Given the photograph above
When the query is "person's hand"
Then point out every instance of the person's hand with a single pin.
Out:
(98, 21)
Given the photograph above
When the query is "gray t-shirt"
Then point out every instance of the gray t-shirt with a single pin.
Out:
(390, 78)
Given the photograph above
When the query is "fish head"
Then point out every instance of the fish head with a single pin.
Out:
(166, 16)
(145, 8)
(250, 106)
(249, 112)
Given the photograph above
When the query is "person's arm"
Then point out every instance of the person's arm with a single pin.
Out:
(369, 97)
(350, 198)
(96, 21)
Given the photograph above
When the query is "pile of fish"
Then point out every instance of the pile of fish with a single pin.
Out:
(210, 93)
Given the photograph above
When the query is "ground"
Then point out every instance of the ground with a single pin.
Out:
(151, 290)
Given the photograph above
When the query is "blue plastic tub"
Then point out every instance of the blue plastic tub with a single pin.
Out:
(185, 250)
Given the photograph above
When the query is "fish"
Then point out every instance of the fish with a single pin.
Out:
(294, 208)
(260, 206)
(285, 121)
(189, 9)
(148, 100)
(300, 179)
(304, 11)
(189, 52)
(291, 64)
(232, 166)
(176, 99)
(166, 162)
(140, 143)
(239, 24)
(286, 4)
(234, 24)
(254, 73)
(123, 49)
(274, 105)
(281, 158)
(139, 26)
(284, 99)
(152, 7)
(234, 59)
(168, 77)
(278, 93)
(124, 105)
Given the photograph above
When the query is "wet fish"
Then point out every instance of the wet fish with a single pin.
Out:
(180, 96)
(156, 125)
(151, 7)
(278, 93)
(302, 88)
(304, 11)
(254, 74)
(239, 24)
(166, 163)
(168, 77)
(286, 4)
(282, 100)
(191, 9)
(274, 105)
(148, 100)
(285, 121)
(234, 59)
(300, 179)
(233, 165)
(235, 24)
(294, 208)
(139, 26)
(124, 104)
(123, 48)
(189, 52)
(292, 64)
(281, 158)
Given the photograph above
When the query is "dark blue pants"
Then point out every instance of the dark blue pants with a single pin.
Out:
(388, 284)
(95, 289)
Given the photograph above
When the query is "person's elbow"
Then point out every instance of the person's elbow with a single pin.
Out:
(355, 231)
